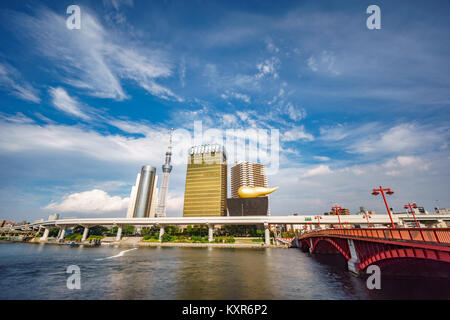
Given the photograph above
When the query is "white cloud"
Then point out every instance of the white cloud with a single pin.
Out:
(116, 4)
(295, 113)
(405, 162)
(335, 133)
(405, 137)
(94, 201)
(268, 68)
(319, 170)
(94, 58)
(323, 62)
(175, 204)
(229, 120)
(10, 80)
(62, 101)
(271, 47)
(18, 118)
(88, 143)
(235, 95)
(322, 158)
(297, 133)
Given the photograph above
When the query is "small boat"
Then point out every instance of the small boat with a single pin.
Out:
(72, 244)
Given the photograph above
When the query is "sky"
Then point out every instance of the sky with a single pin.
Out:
(83, 109)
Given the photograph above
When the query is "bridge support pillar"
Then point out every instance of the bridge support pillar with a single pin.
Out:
(85, 234)
(310, 245)
(266, 234)
(45, 235)
(119, 233)
(354, 260)
(297, 244)
(210, 232)
(161, 233)
(62, 234)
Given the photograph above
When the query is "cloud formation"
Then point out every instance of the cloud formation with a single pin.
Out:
(12, 82)
(95, 59)
(90, 202)
(62, 101)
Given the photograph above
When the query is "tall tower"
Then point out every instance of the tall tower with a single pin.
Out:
(166, 168)
(145, 193)
(206, 182)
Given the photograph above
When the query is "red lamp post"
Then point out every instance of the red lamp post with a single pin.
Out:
(336, 209)
(318, 220)
(367, 217)
(389, 192)
(411, 206)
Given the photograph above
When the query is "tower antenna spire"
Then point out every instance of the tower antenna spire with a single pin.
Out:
(166, 168)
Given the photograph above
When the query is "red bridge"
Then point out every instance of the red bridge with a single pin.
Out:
(417, 251)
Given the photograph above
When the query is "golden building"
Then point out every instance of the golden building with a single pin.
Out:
(247, 174)
(206, 182)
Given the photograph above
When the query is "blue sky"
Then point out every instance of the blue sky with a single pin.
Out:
(82, 110)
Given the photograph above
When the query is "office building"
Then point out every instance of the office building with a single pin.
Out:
(54, 216)
(247, 174)
(144, 194)
(342, 212)
(206, 182)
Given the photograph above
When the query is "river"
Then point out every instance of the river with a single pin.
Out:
(38, 271)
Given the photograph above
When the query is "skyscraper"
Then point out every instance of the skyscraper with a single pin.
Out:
(144, 194)
(247, 174)
(166, 169)
(206, 182)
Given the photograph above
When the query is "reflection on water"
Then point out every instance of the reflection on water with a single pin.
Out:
(38, 272)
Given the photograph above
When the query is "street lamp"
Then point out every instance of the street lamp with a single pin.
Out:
(336, 209)
(389, 192)
(411, 206)
(318, 220)
(367, 217)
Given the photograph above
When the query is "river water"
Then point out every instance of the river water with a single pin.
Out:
(37, 271)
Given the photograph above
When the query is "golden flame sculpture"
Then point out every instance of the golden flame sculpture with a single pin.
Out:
(253, 192)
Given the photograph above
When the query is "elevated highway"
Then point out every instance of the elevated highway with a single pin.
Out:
(381, 220)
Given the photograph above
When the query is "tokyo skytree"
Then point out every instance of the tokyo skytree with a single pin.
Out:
(166, 168)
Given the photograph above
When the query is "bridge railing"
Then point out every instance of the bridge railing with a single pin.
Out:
(434, 235)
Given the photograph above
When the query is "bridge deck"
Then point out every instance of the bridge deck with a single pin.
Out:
(420, 235)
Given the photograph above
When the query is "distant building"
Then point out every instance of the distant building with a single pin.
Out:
(247, 174)
(442, 210)
(420, 210)
(206, 182)
(362, 210)
(342, 211)
(144, 194)
(6, 223)
(54, 216)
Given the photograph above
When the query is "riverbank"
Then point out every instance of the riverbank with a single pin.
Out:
(138, 242)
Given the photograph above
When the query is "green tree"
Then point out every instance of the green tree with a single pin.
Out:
(172, 230)
(97, 230)
(53, 232)
(128, 230)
